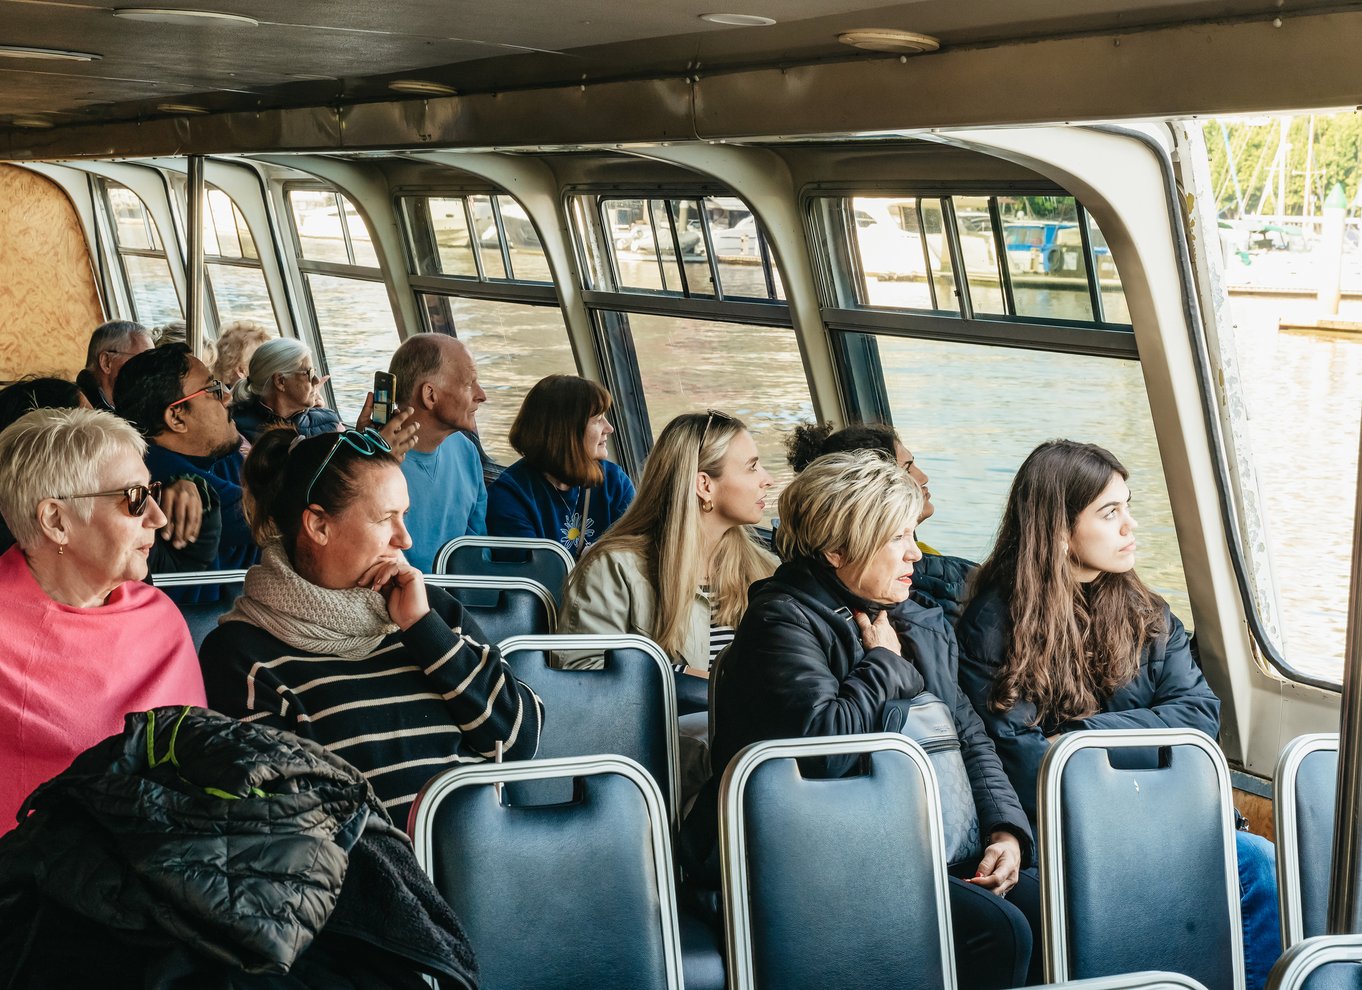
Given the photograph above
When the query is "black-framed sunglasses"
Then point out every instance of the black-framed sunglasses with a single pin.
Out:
(137, 496)
(214, 388)
(367, 442)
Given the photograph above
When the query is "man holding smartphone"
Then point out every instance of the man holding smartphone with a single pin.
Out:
(438, 378)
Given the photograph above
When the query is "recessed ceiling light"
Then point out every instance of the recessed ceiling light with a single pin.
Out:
(54, 54)
(421, 87)
(37, 123)
(175, 15)
(180, 108)
(889, 40)
(739, 20)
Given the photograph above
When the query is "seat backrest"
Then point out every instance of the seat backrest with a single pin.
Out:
(202, 617)
(835, 883)
(577, 894)
(627, 708)
(502, 607)
(1137, 857)
(545, 561)
(1306, 786)
(1323, 962)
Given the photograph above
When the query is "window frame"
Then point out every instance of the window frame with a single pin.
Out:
(105, 206)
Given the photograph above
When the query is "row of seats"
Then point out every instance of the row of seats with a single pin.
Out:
(1138, 867)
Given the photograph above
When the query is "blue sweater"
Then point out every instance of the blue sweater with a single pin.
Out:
(522, 503)
(223, 475)
(448, 498)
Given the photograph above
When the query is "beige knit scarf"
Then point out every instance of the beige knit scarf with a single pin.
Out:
(349, 622)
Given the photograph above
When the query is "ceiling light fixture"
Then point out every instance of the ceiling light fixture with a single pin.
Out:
(52, 54)
(36, 123)
(186, 108)
(890, 40)
(176, 15)
(421, 87)
(739, 20)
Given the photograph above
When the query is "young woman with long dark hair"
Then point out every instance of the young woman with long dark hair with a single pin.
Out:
(1061, 634)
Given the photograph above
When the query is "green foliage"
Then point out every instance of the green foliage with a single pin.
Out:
(1336, 157)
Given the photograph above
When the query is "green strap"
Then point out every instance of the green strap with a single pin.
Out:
(171, 758)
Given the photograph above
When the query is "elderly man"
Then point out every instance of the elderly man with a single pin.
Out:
(112, 345)
(169, 395)
(437, 377)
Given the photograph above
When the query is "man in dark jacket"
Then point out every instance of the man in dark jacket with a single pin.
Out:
(196, 851)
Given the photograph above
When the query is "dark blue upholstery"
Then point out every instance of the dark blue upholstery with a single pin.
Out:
(504, 612)
(1158, 835)
(621, 709)
(842, 877)
(1315, 796)
(202, 617)
(555, 896)
(537, 564)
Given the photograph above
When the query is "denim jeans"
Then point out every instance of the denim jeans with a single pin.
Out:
(1258, 906)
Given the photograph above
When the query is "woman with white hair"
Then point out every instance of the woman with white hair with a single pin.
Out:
(282, 390)
(827, 642)
(86, 641)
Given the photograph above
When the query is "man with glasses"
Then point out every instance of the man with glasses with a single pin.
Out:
(438, 378)
(173, 400)
(111, 346)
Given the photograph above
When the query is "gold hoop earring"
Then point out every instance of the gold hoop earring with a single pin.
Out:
(706, 505)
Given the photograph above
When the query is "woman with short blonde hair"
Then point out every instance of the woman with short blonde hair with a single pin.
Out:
(236, 343)
(826, 643)
(86, 640)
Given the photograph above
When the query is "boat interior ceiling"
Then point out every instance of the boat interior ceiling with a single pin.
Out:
(315, 75)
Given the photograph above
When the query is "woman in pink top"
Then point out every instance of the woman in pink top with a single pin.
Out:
(84, 640)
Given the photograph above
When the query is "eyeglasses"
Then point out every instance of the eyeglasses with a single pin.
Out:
(312, 377)
(712, 415)
(366, 442)
(214, 388)
(137, 496)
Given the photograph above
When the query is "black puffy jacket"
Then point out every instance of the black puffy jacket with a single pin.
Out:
(797, 667)
(196, 851)
(944, 581)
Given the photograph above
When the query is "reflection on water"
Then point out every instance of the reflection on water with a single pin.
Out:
(1303, 399)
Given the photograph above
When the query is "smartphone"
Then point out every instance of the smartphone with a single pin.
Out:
(385, 392)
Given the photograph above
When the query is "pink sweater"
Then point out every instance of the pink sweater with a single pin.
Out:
(68, 675)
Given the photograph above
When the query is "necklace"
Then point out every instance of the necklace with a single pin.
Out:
(574, 533)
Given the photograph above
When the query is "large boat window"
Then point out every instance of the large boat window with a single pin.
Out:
(234, 274)
(752, 372)
(971, 440)
(696, 247)
(483, 237)
(515, 346)
(349, 295)
(1032, 258)
(146, 272)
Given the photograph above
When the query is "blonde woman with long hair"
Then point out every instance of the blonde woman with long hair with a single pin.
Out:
(676, 566)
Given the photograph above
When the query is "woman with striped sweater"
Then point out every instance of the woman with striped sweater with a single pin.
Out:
(336, 637)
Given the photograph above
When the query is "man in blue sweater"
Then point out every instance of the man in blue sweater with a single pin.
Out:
(173, 400)
(438, 378)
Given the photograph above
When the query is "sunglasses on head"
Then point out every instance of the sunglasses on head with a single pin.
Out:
(214, 388)
(710, 417)
(137, 496)
(366, 442)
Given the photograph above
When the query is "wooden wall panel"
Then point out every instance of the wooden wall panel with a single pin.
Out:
(48, 300)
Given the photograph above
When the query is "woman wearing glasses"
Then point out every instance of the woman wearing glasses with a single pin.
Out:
(85, 640)
(336, 637)
(563, 487)
(281, 390)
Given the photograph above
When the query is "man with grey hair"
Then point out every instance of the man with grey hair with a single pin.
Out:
(438, 378)
(111, 345)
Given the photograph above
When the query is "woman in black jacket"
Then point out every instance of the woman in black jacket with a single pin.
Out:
(832, 637)
(1063, 635)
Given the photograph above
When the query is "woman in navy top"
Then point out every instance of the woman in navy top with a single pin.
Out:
(562, 488)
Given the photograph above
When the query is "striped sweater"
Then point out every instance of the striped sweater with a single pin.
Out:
(424, 700)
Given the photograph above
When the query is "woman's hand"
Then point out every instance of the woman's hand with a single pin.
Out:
(998, 870)
(183, 506)
(402, 587)
(397, 431)
(878, 633)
